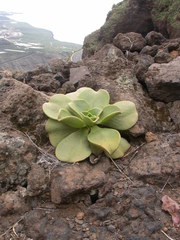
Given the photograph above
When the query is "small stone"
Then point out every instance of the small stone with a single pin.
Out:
(111, 228)
(71, 225)
(80, 215)
(93, 236)
(133, 213)
(137, 130)
(150, 137)
(165, 229)
(79, 221)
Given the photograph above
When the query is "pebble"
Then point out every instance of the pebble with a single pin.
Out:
(93, 236)
(165, 229)
(111, 228)
(80, 215)
(79, 221)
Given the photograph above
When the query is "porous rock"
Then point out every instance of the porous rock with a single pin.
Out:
(78, 74)
(45, 225)
(72, 179)
(36, 180)
(13, 202)
(154, 38)
(158, 159)
(44, 82)
(138, 209)
(129, 41)
(163, 81)
(174, 109)
(163, 57)
(142, 66)
(150, 50)
(16, 156)
(22, 108)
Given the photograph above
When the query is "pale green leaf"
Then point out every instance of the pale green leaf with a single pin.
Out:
(56, 102)
(72, 121)
(74, 148)
(78, 106)
(107, 113)
(105, 138)
(74, 95)
(51, 110)
(97, 99)
(126, 119)
(121, 150)
(57, 131)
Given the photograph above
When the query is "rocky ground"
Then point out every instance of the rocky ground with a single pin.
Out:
(42, 198)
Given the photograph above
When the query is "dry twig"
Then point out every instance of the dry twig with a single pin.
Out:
(12, 227)
(165, 184)
(121, 171)
(167, 235)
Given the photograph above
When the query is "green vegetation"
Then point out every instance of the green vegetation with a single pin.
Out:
(166, 11)
(83, 122)
(113, 18)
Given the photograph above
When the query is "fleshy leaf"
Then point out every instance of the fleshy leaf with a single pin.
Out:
(78, 106)
(97, 99)
(126, 119)
(104, 138)
(74, 95)
(108, 112)
(56, 102)
(57, 131)
(74, 148)
(121, 150)
(72, 121)
(95, 149)
(95, 111)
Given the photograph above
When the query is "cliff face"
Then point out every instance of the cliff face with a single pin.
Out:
(140, 16)
(166, 17)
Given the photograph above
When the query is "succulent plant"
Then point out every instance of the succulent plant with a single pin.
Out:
(84, 123)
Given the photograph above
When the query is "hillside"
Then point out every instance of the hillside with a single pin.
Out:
(141, 16)
(23, 46)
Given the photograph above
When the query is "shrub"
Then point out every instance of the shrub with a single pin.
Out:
(84, 122)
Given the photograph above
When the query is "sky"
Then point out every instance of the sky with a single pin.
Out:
(69, 20)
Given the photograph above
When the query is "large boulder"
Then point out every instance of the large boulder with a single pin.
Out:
(69, 180)
(163, 81)
(154, 38)
(129, 41)
(158, 159)
(22, 108)
(17, 154)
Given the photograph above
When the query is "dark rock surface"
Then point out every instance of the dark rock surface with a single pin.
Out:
(154, 38)
(129, 42)
(16, 156)
(163, 81)
(70, 180)
(160, 159)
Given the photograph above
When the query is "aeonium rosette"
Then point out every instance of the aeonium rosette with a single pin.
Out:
(84, 123)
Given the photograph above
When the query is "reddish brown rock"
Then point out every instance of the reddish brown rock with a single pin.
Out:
(157, 160)
(129, 42)
(72, 179)
(163, 81)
